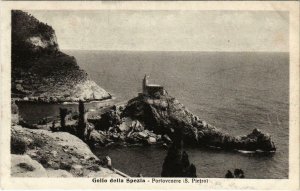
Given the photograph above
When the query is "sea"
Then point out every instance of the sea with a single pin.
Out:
(234, 91)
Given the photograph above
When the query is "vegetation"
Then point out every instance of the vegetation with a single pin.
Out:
(81, 121)
(25, 26)
(40, 69)
(18, 145)
(63, 113)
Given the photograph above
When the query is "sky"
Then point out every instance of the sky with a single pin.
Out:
(176, 30)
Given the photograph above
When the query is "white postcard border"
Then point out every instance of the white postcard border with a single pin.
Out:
(213, 183)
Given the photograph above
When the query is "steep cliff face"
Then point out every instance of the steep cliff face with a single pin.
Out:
(40, 71)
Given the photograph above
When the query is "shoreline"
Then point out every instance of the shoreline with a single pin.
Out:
(39, 100)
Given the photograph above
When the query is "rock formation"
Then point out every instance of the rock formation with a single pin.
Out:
(24, 166)
(14, 113)
(238, 173)
(177, 163)
(38, 153)
(166, 114)
(40, 71)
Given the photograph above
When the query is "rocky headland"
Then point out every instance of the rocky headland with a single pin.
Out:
(164, 114)
(153, 117)
(43, 73)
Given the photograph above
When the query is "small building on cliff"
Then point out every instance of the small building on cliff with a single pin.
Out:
(152, 90)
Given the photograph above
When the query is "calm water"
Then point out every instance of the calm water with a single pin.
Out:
(34, 112)
(233, 91)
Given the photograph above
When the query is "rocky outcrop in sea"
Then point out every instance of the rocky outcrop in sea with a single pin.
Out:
(177, 163)
(165, 114)
(150, 120)
(43, 73)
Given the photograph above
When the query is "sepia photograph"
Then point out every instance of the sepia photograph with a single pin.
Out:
(185, 94)
(150, 96)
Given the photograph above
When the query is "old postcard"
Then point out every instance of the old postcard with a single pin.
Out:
(150, 95)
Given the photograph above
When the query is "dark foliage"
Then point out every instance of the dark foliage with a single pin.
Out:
(81, 120)
(25, 26)
(63, 113)
(18, 145)
(37, 61)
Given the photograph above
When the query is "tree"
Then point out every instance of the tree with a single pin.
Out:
(63, 113)
(81, 121)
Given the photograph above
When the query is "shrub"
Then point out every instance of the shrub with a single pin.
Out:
(17, 145)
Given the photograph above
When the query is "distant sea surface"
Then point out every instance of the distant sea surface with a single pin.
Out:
(236, 92)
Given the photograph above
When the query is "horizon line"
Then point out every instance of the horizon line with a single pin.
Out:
(174, 51)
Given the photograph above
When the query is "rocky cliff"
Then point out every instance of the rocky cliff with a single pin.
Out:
(146, 119)
(40, 71)
(42, 153)
(165, 115)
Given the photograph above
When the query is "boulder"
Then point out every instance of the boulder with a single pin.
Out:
(142, 135)
(151, 140)
(77, 170)
(124, 127)
(24, 166)
(54, 151)
(58, 173)
(137, 126)
(96, 137)
(150, 133)
(19, 87)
